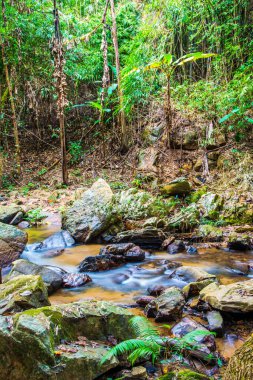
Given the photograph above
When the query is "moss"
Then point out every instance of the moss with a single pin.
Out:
(185, 374)
(194, 197)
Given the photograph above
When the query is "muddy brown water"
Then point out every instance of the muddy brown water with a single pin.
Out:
(124, 284)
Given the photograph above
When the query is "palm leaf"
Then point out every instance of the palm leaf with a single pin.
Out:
(192, 57)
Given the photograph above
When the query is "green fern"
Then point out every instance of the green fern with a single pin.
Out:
(145, 346)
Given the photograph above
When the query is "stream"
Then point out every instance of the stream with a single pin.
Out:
(123, 285)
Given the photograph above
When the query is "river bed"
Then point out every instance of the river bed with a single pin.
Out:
(123, 285)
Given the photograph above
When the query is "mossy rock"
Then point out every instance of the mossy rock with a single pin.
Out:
(210, 233)
(21, 293)
(8, 214)
(61, 342)
(180, 186)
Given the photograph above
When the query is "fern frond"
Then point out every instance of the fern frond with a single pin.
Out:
(128, 346)
(144, 353)
(143, 327)
(192, 336)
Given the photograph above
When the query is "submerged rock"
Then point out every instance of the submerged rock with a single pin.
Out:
(63, 342)
(167, 307)
(92, 214)
(177, 246)
(61, 239)
(12, 243)
(236, 297)
(21, 293)
(193, 274)
(73, 280)
(129, 251)
(52, 278)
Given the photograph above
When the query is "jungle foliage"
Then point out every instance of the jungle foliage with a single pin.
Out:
(219, 86)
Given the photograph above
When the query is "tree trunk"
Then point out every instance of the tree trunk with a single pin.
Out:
(240, 366)
(122, 118)
(106, 76)
(168, 113)
(61, 85)
(13, 108)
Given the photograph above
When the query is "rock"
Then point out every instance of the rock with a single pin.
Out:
(191, 250)
(147, 161)
(185, 220)
(129, 251)
(180, 186)
(238, 242)
(237, 212)
(146, 238)
(193, 288)
(188, 325)
(73, 280)
(167, 307)
(23, 225)
(135, 254)
(11, 214)
(51, 278)
(210, 205)
(21, 293)
(240, 366)
(186, 137)
(215, 322)
(134, 204)
(156, 290)
(235, 298)
(144, 300)
(193, 274)
(198, 166)
(92, 214)
(101, 263)
(209, 233)
(176, 247)
(168, 241)
(61, 239)
(63, 342)
(116, 249)
(240, 267)
(53, 253)
(152, 133)
(12, 243)
(137, 373)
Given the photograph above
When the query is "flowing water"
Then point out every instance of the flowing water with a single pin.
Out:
(124, 284)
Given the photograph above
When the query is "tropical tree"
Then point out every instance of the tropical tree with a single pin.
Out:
(168, 66)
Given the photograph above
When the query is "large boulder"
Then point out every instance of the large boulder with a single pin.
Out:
(179, 186)
(240, 366)
(236, 297)
(167, 307)
(52, 278)
(92, 214)
(61, 342)
(12, 214)
(21, 293)
(12, 243)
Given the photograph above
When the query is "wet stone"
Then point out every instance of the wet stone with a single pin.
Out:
(73, 280)
(156, 290)
(215, 322)
(144, 300)
(177, 247)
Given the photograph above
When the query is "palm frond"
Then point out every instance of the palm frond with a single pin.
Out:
(144, 353)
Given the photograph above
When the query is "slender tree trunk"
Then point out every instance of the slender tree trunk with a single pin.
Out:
(168, 113)
(122, 118)
(106, 75)
(13, 108)
(61, 85)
